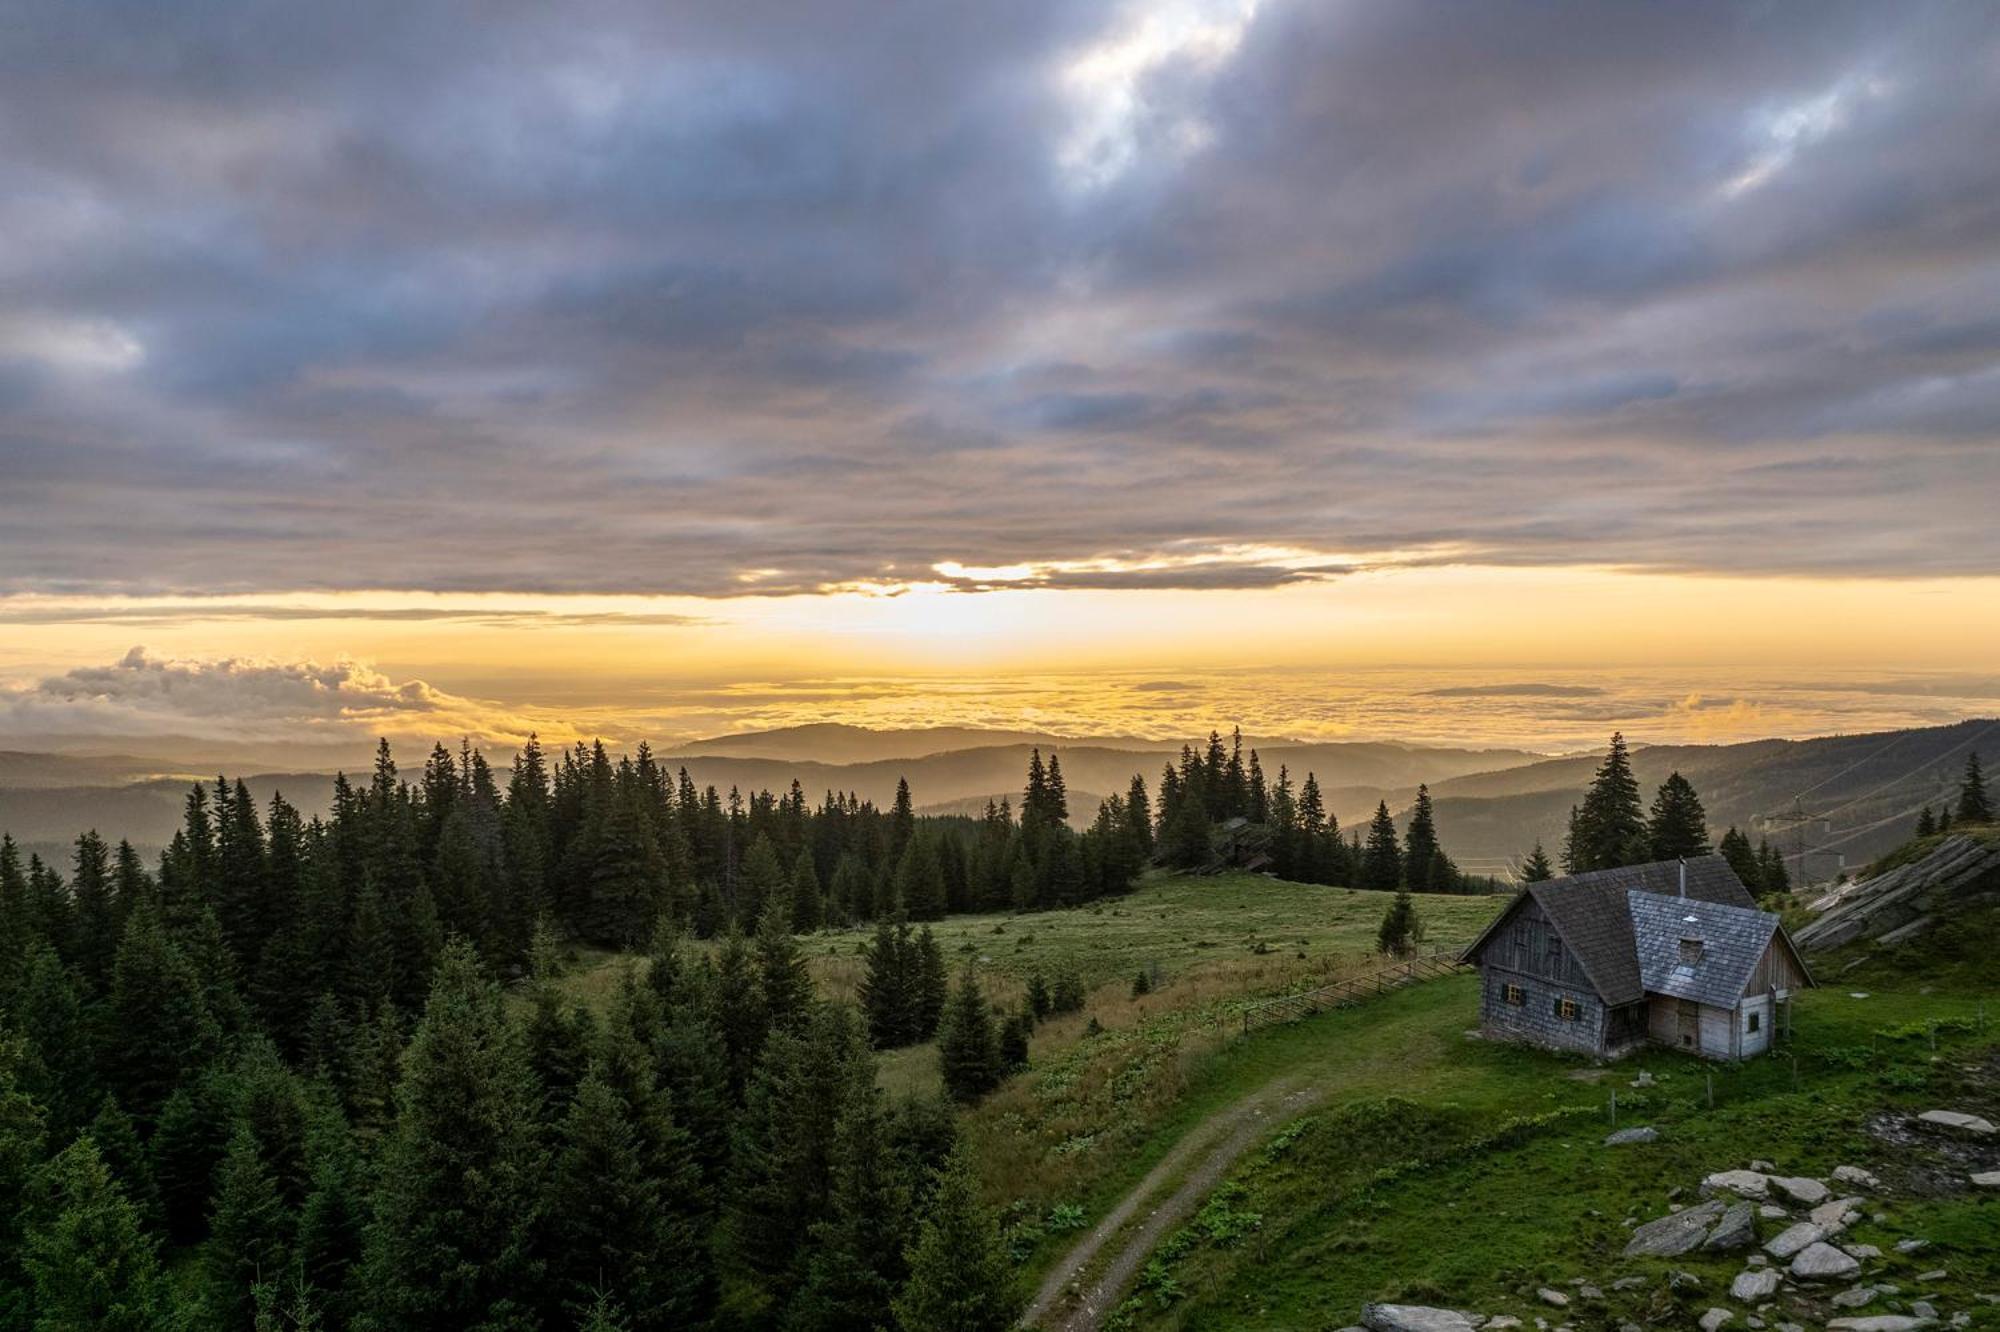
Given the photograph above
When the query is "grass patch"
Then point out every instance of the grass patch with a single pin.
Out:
(1478, 1184)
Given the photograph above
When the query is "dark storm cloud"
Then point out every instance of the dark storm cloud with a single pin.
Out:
(760, 298)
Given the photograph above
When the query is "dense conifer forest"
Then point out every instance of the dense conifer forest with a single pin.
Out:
(320, 1072)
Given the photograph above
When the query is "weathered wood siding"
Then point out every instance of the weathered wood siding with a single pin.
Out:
(1528, 953)
(1765, 1011)
(1776, 970)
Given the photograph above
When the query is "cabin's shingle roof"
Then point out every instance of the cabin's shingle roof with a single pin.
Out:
(1732, 939)
(1592, 914)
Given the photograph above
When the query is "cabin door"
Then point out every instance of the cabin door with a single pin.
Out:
(1690, 1023)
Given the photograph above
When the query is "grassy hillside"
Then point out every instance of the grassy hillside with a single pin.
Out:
(1459, 1173)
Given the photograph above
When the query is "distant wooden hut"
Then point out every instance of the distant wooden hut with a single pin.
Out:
(1674, 952)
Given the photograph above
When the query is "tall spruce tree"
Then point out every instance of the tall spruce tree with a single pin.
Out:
(1677, 826)
(457, 1209)
(1382, 861)
(1536, 868)
(1423, 859)
(1974, 805)
(968, 1045)
(1609, 829)
(961, 1279)
(856, 1264)
(88, 1263)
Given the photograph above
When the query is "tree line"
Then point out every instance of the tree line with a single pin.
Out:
(278, 1080)
(1611, 828)
(1288, 828)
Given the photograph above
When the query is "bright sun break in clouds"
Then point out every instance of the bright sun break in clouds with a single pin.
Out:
(1116, 120)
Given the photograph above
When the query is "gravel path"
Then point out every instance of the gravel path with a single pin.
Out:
(1211, 1148)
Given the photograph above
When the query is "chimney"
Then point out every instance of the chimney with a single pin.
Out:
(1684, 878)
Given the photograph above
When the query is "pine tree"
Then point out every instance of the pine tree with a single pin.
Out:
(902, 821)
(783, 985)
(1772, 876)
(919, 881)
(450, 1241)
(1677, 827)
(94, 912)
(1139, 817)
(761, 881)
(88, 1263)
(960, 1276)
(857, 1262)
(23, 1141)
(1536, 869)
(1609, 829)
(616, 1220)
(1974, 806)
(781, 1172)
(1398, 925)
(1421, 855)
(808, 911)
(1382, 862)
(1038, 996)
(888, 991)
(160, 1013)
(247, 1235)
(1926, 822)
(737, 1001)
(1742, 857)
(968, 1050)
(117, 1140)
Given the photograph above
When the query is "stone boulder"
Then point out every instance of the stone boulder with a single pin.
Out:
(1959, 1122)
(1823, 1262)
(1674, 1234)
(1414, 1318)
(1835, 1214)
(1806, 1192)
(1753, 1284)
(1715, 1318)
(1793, 1239)
(1880, 1323)
(1626, 1137)
(1856, 1176)
(1742, 1183)
(1985, 1179)
(1736, 1230)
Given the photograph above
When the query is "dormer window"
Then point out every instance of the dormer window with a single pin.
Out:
(1690, 952)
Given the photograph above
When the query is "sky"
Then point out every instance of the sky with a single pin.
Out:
(611, 367)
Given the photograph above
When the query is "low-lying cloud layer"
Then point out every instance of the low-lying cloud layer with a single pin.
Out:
(756, 298)
(142, 694)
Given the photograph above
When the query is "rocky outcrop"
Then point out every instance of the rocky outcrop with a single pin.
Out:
(1674, 1234)
(1901, 903)
(1414, 1318)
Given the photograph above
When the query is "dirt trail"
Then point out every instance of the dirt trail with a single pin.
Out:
(1217, 1141)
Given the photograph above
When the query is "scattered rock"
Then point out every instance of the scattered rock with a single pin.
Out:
(1644, 1079)
(1766, 1166)
(1879, 1323)
(1935, 1274)
(1912, 1245)
(1500, 1323)
(1834, 1214)
(1683, 1281)
(1924, 1309)
(1985, 1179)
(1959, 1121)
(1553, 1297)
(1856, 1176)
(1758, 1260)
(1736, 1230)
(1854, 1297)
(1862, 1251)
(1714, 1319)
(1753, 1284)
(1800, 1189)
(1674, 1234)
(1586, 1291)
(1743, 1183)
(1793, 1239)
(1413, 1318)
(1628, 1283)
(1772, 1212)
(1625, 1137)
(1821, 1261)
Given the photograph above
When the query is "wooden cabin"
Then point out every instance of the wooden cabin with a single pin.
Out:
(1674, 952)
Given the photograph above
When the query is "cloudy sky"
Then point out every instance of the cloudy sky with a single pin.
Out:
(551, 352)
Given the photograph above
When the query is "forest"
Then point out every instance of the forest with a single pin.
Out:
(320, 1072)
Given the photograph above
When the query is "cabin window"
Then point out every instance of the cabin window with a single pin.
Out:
(1515, 995)
(1690, 952)
(1756, 1022)
(1567, 1010)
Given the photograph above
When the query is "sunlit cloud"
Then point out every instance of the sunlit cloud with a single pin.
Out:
(1116, 119)
(1786, 131)
(66, 343)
